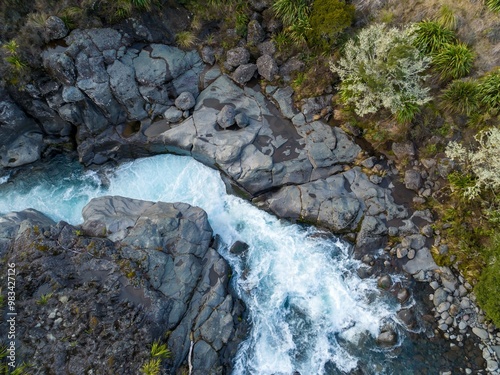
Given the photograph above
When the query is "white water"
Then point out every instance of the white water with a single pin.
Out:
(306, 304)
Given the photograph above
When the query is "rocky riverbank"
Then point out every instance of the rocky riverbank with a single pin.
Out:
(121, 94)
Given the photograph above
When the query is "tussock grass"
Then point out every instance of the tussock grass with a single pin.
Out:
(453, 61)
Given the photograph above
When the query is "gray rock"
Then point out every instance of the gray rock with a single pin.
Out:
(403, 295)
(150, 71)
(423, 261)
(72, 94)
(255, 33)
(442, 307)
(55, 28)
(283, 97)
(415, 241)
(239, 248)
(185, 101)
(293, 65)
(61, 67)
(267, 48)
(124, 87)
(267, 67)
(413, 180)
(172, 114)
(241, 120)
(408, 318)
(244, 73)
(226, 116)
(403, 150)
(237, 56)
(481, 333)
(440, 296)
(208, 55)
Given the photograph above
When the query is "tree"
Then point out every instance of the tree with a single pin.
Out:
(482, 163)
(382, 68)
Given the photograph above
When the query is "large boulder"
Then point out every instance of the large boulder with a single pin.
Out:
(237, 56)
(267, 67)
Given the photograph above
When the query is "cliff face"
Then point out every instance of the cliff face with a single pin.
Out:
(96, 298)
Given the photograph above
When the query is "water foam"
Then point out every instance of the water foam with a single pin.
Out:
(307, 306)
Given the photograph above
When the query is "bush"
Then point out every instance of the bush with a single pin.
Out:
(432, 37)
(482, 163)
(381, 68)
(462, 96)
(487, 289)
(453, 61)
(328, 19)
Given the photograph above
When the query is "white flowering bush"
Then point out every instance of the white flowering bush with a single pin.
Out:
(382, 68)
(483, 163)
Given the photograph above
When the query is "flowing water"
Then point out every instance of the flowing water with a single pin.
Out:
(309, 310)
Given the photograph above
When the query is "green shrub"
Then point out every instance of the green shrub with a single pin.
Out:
(432, 37)
(151, 367)
(291, 11)
(453, 61)
(160, 350)
(494, 5)
(381, 68)
(327, 20)
(489, 91)
(487, 289)
(462, 96)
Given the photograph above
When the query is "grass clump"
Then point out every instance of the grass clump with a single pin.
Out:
(446, 17)
(44, 299)
(151, 367)
(158, 353)
(489, 91)
(186, 39)
(494, 5)
(453, 61)
(432, 37)
(462, 97)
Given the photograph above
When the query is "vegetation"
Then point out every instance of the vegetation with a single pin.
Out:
(453, 61)
(44, 299)
(158, 353)
(489, 91)
(432, 37)
(494, 5)
(186, 39)
(381, 68)
(462, 97)
(5, 369)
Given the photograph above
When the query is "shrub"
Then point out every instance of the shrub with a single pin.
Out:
(462, 96)
(489, 91)
(453, 61)
(482, 163)
(487, 289)
(432, 37)
(328, 19)
(494, 5)
(381, 68)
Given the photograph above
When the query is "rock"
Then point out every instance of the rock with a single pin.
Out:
(427, 230)
(407, 317)
(55, 28)
(239, 248)
(491, 365)
(226, 116)
(172, 114)
(481, 333)
(244, 73)
(415, 241)
(283, 97)
(61, 67)
(267, 48)
(294, 64)
(423, 261)
(413, 180)
(237, 56)
(267, 67)
(443, 306)
(208, 55)
(241, 120)
(255, 33)
(384, 282)
(440, 296)
(403, 295)
(72, 94)
(387, 338)
(185, 101)
(403, 150)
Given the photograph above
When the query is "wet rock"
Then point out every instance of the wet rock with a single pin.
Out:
(237, 56)
(387, 338)
(384, 282)
(403, 295)
(244, 73)
(226, 116)
(481, 333)
(283, 97)
(408, 318)
(239, 248)
(423, 261)
(267, 67)
(185, 101)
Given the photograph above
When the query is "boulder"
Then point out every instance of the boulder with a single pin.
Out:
(387, 338)
(267, 67)
(241, 120)
(208, 55)
(384, 282)
(403, 150)
(244, 73)
(237, 56)
(172, 114)
(185, 101)
(61, 67)
(255, 33)
(226, 116)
